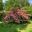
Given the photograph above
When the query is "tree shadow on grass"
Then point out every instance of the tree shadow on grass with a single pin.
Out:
(12, 27)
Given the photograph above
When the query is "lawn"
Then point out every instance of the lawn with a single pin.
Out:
(12, 27)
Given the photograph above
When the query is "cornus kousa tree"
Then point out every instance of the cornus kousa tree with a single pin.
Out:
(17, 15)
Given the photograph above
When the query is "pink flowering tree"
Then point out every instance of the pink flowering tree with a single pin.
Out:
(16, 14)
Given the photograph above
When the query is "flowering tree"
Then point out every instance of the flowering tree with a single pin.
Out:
(17, 15)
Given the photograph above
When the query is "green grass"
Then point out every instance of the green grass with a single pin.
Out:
(12, 27)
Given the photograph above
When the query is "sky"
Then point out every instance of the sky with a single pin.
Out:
(30, 1)
(3, 0)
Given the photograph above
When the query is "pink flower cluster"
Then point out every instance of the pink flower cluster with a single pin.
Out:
(16, 14)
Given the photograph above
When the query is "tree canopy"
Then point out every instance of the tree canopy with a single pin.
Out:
(15, 3)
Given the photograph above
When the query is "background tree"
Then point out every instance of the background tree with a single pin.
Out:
(15, 3)
(1, 5)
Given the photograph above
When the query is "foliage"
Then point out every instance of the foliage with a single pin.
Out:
(15, 3)
(29, 9)
(1, 5)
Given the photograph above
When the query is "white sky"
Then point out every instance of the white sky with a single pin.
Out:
(30, 1)
(3, 1)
